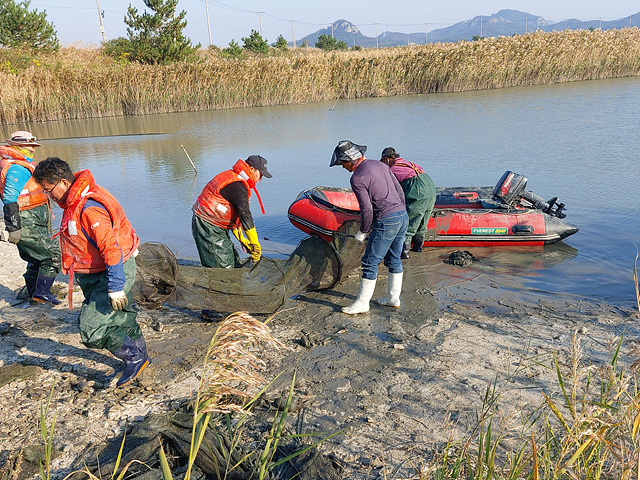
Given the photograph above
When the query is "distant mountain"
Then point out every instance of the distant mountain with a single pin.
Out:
(505, 23)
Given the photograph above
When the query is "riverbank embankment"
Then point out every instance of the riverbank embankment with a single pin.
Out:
(83, 83)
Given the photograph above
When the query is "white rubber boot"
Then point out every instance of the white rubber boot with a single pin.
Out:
(361, 305)
(393, 296)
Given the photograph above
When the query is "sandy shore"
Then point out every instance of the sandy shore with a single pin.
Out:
(401, 381)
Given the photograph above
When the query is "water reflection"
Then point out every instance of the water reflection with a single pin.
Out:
(577, 141)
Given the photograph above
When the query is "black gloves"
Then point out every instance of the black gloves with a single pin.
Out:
(12, 217)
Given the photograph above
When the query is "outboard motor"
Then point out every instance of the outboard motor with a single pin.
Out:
(511, 189)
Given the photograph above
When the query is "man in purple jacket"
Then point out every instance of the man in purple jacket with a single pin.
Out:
(383, 216)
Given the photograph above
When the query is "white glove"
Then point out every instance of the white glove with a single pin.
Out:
(360, 237)
(118, 300)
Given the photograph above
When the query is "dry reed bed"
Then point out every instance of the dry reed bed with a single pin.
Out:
(76, 83)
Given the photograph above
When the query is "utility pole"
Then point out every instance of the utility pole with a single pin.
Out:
(260, 18)
(293, 34)
(526, 25)
(332, 30)
(376, 35)
(426, 40)
(480, 27)
(104, 37)
(206, 7)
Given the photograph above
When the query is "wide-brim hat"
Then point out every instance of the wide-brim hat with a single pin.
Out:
(22, 139)
(347, 151)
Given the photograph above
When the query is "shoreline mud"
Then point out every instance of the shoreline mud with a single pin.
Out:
(402, 382)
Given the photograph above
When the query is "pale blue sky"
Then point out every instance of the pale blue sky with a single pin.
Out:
(78, 21)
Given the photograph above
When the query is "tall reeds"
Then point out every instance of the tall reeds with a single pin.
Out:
(77, 83)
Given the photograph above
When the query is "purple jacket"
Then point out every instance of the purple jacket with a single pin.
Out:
(377, 190)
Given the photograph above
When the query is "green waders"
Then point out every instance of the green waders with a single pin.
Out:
(100, 325)
(214, 245)
(420, 196)
(37, 248)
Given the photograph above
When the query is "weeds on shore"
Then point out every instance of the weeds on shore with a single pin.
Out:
(586, 427)
(83, 83)
(47, 437)
(586, 430)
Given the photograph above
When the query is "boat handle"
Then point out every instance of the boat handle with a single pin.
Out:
(466, 195)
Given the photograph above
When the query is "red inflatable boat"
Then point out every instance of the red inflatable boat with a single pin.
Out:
(508, 214)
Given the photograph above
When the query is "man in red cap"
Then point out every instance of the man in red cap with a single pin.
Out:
(223, 205)
(27, 217)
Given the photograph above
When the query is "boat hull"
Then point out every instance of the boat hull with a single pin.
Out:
(461, 218)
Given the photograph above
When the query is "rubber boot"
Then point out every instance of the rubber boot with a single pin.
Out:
(361, 305)
(405, 250)
(26, 292)
(134, 354)
(42, 293)
(393, 296)
(418, 241)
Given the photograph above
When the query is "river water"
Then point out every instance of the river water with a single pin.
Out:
(577, 141)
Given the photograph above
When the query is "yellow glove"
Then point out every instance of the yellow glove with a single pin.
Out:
(254, 244)
(246, 246)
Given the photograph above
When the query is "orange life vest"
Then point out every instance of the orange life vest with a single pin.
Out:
(32, 195)
(78, 253)
(213, 207)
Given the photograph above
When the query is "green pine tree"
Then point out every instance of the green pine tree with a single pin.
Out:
(281, 43)
(326, 43)
(255, 43)
(158, 37)
(233, 50)
(20, 28)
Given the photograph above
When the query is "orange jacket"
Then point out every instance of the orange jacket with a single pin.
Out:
(88, 244)
(213, 207)
(32, 195)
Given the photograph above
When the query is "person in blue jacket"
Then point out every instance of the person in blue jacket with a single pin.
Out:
(27, 218)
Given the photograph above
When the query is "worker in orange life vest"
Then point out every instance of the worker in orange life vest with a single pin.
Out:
(223, 205)
(27, 217)
(98, 247)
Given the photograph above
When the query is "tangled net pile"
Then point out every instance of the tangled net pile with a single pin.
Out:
(263, 287)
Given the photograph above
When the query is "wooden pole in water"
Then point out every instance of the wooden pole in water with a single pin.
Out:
(337, 98)
(190, 161)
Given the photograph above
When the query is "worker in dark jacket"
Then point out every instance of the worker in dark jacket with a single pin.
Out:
(419, 195)
(223, 205)
(383, 217)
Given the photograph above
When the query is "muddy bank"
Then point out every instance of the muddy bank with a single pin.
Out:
(401, 381)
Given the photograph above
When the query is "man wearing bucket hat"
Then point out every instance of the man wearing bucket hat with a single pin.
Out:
(27, 217)
(223, 205)
(383, 216)
(419, 196)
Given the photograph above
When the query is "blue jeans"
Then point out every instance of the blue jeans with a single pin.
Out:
(385, 243)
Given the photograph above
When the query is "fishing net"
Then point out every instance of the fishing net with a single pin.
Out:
(219, 456)
(262, 287)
